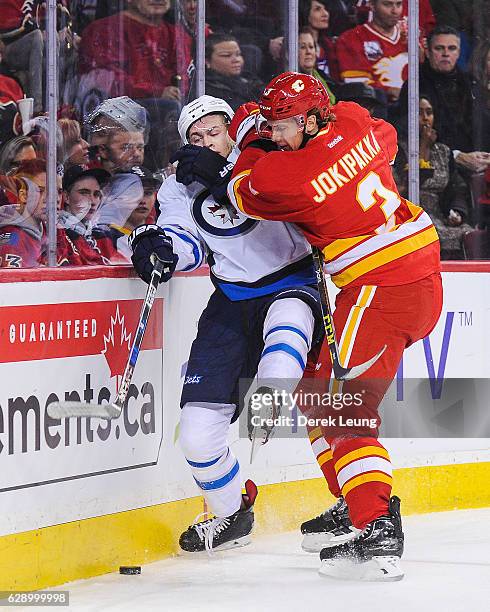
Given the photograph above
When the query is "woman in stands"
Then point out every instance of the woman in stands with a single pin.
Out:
(307, 63)
(315, 15)
(14, 152)
(75, 147)
(443, 192)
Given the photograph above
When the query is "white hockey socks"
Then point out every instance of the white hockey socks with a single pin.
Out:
(203, 439)
(288, 331)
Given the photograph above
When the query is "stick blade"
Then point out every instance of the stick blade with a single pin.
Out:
(61, 410)
(356, 371)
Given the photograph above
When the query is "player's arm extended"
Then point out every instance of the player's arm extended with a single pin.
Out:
(260, 187)
(243, 196)
(269, 188)
(176, 221)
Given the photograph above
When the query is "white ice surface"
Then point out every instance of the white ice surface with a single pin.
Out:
(446, 563)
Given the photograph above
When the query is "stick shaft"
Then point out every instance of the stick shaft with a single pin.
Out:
(328, 323)
(140, 332)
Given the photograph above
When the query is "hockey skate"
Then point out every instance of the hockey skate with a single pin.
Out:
(269, 408)
(372, 555)
(328, 529)
(222, 533)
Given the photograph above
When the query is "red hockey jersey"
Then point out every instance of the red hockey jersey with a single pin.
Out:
(339, 190)
(142, 58)
(363, 54)
(20, 248)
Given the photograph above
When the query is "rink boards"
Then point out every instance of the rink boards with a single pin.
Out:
(81, 498)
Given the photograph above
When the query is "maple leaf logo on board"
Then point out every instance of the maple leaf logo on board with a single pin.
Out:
(116, 345)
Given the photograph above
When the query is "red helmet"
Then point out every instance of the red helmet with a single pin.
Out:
(291, 94)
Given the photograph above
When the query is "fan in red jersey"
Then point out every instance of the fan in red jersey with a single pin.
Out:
(376, 52)
(332, 178)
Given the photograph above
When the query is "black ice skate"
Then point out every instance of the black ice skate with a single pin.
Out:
(371, 555)
(328, 529)
(223, 533)
(264, 404)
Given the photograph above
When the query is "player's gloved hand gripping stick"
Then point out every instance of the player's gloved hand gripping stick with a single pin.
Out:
(340, 372)
(59, 410)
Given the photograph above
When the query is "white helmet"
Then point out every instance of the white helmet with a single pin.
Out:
(199, 108)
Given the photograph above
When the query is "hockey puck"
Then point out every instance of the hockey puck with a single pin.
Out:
(130, 569)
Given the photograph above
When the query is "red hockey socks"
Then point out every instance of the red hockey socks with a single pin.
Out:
(323, 454)
(363, 472)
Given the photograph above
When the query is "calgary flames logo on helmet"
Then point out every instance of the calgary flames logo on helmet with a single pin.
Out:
(298, 86)
(290, 94)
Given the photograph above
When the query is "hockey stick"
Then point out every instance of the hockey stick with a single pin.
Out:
(59, 410)
(339, 371)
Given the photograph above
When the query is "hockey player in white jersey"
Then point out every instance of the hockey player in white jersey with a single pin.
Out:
(262, 319)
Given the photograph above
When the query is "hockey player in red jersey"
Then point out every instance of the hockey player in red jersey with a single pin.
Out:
(332, 178)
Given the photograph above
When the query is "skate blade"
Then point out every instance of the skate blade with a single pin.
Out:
(314, 542)
(378, 569)
(236, 543)
(258, 441)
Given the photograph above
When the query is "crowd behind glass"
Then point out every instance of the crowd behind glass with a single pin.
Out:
(126, 68)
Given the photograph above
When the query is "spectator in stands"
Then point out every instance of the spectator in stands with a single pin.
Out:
(24, 45)
(82, 194)
(460, 15)
(187, 16)
(141, 50)
(22, 224)
(314, 14)
(81, 199)
(258, 26)
(376, 53)
(443, 192)
(10, 89)
(480, 69)
(450, 91)
(10, 93)
(116, 115)
(112, 234)
(224, 66)
(14, 152)
(139, 53)
(427, 20)
(9, 122)
(122, 150)
(74, 146)
(307, 62)
(117, 132)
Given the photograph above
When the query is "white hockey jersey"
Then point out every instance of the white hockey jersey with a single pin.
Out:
(248, 258)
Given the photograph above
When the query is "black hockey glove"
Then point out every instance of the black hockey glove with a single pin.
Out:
(204, 166)
(146, 240)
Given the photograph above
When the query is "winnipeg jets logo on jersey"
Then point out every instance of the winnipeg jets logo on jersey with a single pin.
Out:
(218, 219)
(225, 213)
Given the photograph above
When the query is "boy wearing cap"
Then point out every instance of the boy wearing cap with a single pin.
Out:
(81, 199)
(129, 202)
